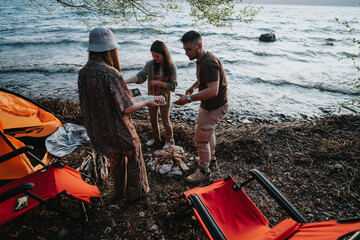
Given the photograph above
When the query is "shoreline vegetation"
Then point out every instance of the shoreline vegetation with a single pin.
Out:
(315, 163)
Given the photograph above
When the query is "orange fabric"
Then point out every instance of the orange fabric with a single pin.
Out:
(15, 167)
(329, 230)
(14, 105)
(281, 231)
(18, 166)
(47, 185)
(16, 112)
(235, 214)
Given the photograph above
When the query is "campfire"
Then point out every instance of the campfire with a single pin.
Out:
(168, 162)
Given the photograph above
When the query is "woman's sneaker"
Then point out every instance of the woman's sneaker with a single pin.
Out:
(150, 142)
(168, 144)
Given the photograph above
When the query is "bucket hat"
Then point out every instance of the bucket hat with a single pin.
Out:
(102, 40)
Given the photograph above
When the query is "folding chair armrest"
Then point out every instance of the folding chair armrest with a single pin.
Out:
(355, 236)
(15, 153)
(22, 188)
(277, 195)
(206, 217)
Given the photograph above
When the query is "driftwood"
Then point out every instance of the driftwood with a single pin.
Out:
(95, 166)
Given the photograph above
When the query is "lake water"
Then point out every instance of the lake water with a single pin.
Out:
(297, 75)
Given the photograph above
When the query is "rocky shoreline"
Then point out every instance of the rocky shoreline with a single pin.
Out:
(315, 163)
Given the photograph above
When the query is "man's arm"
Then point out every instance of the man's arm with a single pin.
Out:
(192, 88)
(209, 92)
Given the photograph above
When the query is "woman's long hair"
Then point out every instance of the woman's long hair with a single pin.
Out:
(160, 48)
(109, 57)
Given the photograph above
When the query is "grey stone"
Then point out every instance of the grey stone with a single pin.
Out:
(63, 232)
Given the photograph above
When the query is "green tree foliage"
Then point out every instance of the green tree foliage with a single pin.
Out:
(220, 13)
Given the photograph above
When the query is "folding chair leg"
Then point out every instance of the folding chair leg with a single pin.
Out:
(48, 204)
(84, 211)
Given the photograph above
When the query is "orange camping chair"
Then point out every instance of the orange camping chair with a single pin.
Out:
(21, 195)
(226, 212)
(23, 122)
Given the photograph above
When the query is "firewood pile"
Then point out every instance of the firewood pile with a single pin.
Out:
(95, 166)
(168, 162)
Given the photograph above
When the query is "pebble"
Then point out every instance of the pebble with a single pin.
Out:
(114, 207)
(157, 168)
(107, 230)
(63, 232)
(151, 166)
(339, 166)
(246, 121)
(112, 222)
(154, 228)
(165, 168)
(236, 158)
(174, 172)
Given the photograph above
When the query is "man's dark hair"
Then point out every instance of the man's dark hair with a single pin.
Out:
(191, 36)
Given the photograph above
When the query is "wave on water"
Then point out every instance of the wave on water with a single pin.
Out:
(71, 68)
(264, 54)
(242, 62)
(331, 40)
(184, 64)
(318, 86)
(134, 30)
(41, 41)
(56, 68)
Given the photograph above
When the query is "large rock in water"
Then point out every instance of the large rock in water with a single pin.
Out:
(267, 37)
